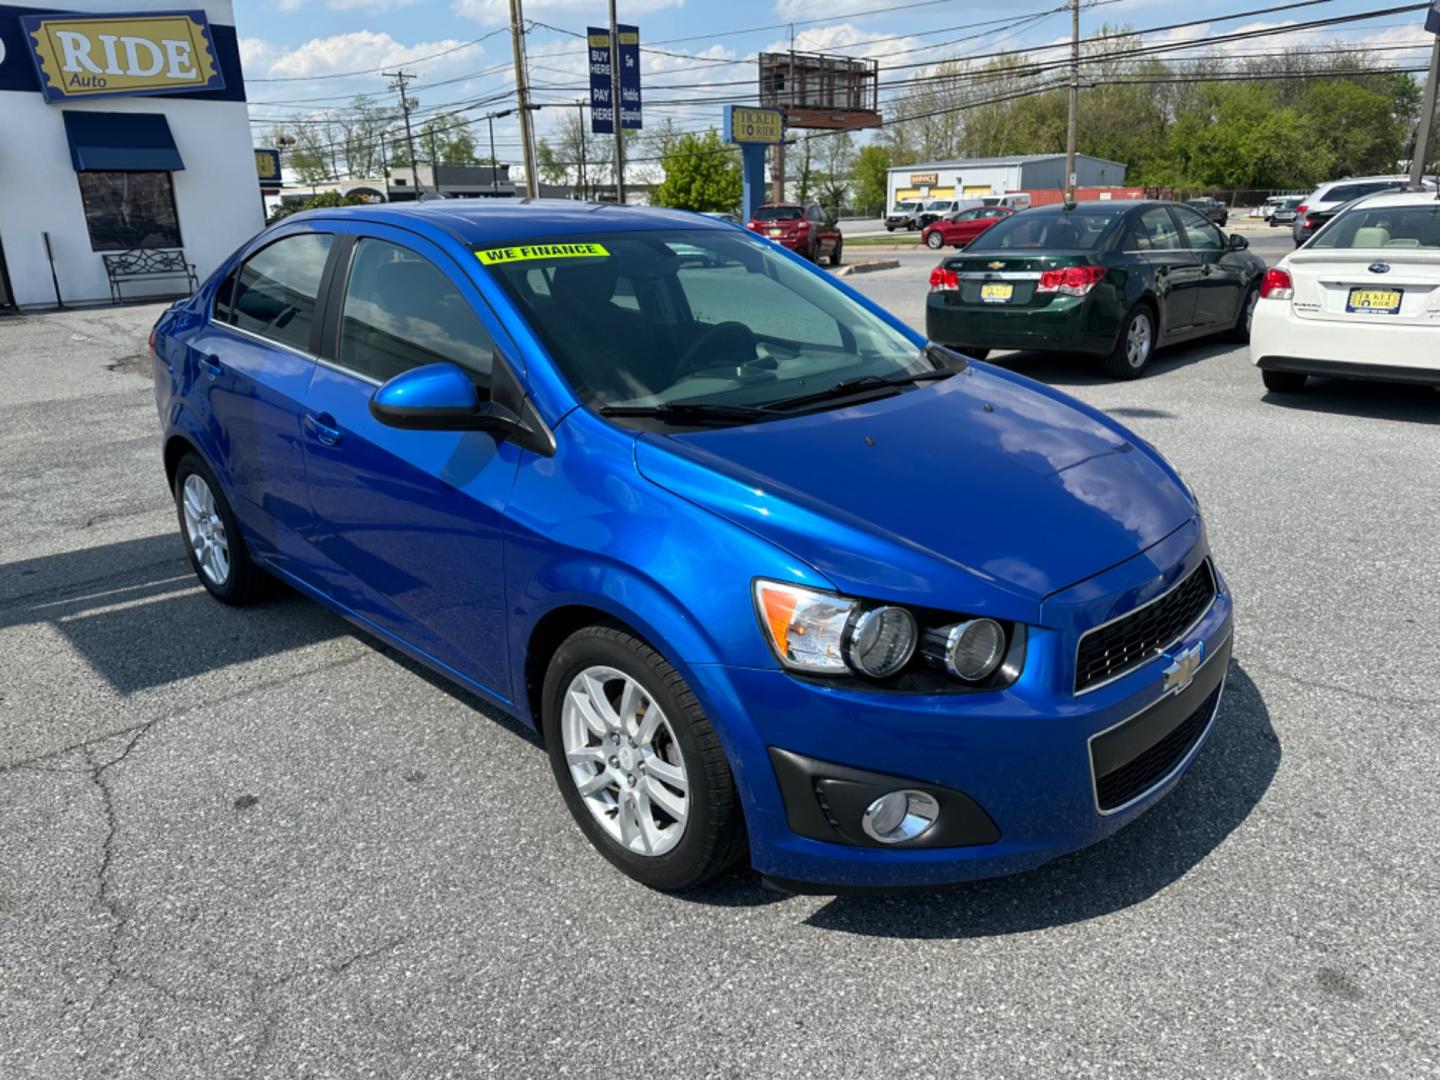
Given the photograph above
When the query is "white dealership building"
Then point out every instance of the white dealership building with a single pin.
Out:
(123, 129)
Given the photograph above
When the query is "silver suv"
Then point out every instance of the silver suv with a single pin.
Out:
(1327, 199)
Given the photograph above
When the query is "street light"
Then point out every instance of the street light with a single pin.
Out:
(490, 119)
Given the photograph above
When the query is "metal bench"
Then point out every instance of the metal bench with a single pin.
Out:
(141, 263)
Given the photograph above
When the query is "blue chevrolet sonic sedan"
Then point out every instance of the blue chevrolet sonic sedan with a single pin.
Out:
(769, 572)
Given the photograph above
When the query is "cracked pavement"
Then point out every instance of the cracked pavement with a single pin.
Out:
(258, 844)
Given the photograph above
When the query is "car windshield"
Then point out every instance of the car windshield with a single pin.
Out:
(906, 205)
(1039, 230)
(1389, 227)
(939, 204)
(694, 316)
(778, 213)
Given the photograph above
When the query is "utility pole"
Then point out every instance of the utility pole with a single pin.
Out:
(522, 95)
(401, 78)
(615, 107)
(1074, 100)
(1427, 118)
(434, 161)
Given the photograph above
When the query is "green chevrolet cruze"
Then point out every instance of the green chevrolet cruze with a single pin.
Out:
(1115, 280)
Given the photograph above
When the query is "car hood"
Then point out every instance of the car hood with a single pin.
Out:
(983, 490)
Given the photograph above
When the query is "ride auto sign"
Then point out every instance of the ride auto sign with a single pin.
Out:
(80, 56)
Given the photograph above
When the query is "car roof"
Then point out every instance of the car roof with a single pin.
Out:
(1396, 198)
(482, 221)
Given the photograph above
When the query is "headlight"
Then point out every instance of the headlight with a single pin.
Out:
(819, 633)
(881, 641)
(974, 649)
(806, 628)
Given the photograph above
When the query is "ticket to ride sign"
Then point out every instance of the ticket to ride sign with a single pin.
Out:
(80, 56)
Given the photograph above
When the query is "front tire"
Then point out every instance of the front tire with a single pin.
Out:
(212, 536)
(1134, 347)
(637, 761)
(935, 241)
(1283, 382)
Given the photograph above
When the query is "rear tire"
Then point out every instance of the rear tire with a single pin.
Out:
(1283, 382)
(681, 740)
(935, 241)
(1134, 347)
(212, 536)
(839, 253)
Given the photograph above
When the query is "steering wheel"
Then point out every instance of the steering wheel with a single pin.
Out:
(733, 338)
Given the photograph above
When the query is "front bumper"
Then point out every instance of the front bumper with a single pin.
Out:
(1016, 769)
(1066, 324)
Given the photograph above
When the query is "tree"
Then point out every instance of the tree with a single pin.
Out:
(701, 173)
(326, 199)
(869, 178)
(836, 156)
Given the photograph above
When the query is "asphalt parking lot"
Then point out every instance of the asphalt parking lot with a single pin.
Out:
(257, 843)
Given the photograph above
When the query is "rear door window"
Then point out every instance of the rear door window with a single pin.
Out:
(275, 290)
(401, 312)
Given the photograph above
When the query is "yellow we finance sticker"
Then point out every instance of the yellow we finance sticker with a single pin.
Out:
(497, 256)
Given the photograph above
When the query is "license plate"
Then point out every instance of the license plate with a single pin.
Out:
(1374, 301)
(776, 232)
(997, 293)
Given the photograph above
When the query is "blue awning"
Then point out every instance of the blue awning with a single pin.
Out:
(121, 142)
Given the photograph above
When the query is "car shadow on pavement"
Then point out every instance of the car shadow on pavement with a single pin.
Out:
(135, 613)
(1075, 369)
(1227, 780)
(1370, 400)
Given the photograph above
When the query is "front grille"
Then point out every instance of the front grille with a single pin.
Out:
(1146, 769)
(1143, 634)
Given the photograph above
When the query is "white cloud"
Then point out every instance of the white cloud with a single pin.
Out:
(497, 12)
(289, 6)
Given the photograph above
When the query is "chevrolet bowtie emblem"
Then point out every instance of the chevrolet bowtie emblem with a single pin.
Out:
(1182, 669)
(996, 265)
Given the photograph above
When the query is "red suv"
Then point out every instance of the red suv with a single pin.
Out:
(959, 229)
(804, 228)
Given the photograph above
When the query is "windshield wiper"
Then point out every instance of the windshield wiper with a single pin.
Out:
(858, 385)
(691, 412)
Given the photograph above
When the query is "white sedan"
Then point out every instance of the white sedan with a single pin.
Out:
(1361, 300)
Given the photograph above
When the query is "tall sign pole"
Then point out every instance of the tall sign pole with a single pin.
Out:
(1427, 110)
(753, 130)
(616, 107)
(1074, 100)
(522, 94)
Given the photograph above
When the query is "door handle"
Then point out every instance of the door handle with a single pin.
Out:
(211, 366)
(1162, 271)
(323, 428)
(1205, 270)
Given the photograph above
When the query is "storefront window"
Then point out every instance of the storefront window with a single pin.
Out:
(125, 210)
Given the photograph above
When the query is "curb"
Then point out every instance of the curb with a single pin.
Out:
(869, 266)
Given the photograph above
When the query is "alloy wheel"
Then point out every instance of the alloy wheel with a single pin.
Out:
(205, 530)
(1137, 341)
(624, 760)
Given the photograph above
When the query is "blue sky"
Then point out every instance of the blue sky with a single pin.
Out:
(286, 44)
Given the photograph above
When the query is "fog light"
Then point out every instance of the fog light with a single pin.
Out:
(974, 649)
(881, 641)
(900, 816)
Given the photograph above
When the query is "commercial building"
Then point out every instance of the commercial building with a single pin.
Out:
(120, 130)
(974, 177)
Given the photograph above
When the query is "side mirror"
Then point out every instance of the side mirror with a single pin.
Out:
(439, 397)
(1238, 242)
